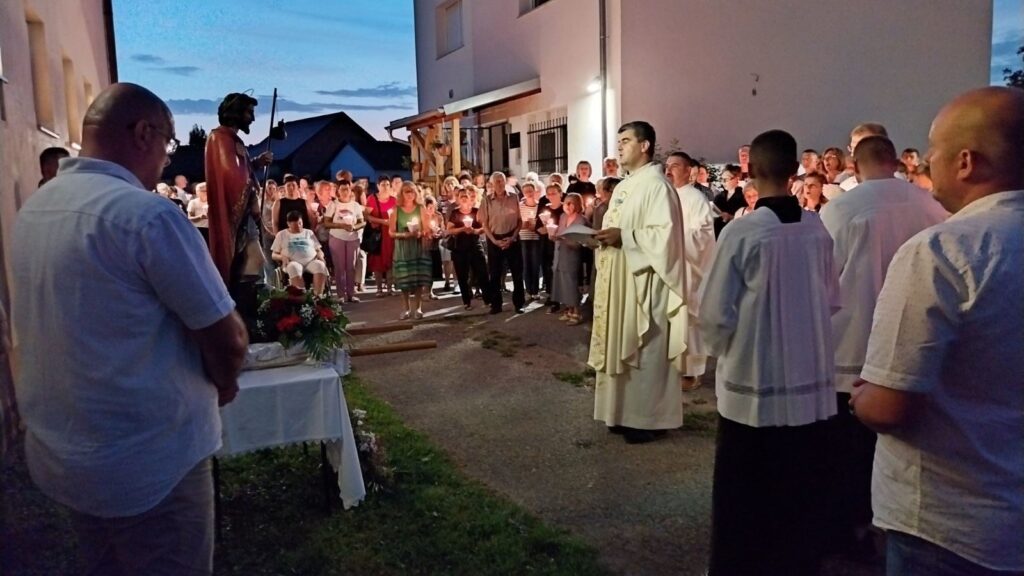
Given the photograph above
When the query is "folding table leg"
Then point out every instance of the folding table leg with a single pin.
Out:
(217, 514)
(329, 480)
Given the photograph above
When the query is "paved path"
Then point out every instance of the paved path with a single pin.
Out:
(507, 421)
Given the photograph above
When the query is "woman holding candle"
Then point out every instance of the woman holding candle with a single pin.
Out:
(467, 253)
(550, 213)
(435, 226)
(343, 218)
(530, 240)
(566, 290)
(409, 225)
(379, 210)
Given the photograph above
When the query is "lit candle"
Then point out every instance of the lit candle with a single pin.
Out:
(414, 224)
(590, 201)
(545, 217)
(467, 221)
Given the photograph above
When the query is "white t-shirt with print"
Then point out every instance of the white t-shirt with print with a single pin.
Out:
(300, 247)
(344, 212)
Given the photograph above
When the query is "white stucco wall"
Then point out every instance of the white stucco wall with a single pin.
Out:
(687, 67)
(557, 42)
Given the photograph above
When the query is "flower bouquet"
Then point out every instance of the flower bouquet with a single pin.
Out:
(293, 316)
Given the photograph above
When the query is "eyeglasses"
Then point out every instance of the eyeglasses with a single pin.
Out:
(172, 142)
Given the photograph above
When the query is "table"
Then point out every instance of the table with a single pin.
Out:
(282, 406)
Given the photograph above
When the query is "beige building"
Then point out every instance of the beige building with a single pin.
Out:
(55, 56)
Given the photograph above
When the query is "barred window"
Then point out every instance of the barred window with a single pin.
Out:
(548, 146)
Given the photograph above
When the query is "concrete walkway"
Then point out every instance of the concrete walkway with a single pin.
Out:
(489, 397)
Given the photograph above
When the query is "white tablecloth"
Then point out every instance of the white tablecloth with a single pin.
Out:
(281, 406)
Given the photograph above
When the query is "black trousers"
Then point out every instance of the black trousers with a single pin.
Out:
(770, 499)
(532, 265)
(547, 258)
(497, 259)
(469, 263)
(854, 447)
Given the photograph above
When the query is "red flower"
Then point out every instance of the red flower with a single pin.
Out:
(326, 313)
(288, 322)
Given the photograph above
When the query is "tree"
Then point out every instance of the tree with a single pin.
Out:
(1015, 78)
(197, 136)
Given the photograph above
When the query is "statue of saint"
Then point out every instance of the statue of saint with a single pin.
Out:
(234, 212)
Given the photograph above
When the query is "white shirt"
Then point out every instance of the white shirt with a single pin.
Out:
(765, 314)
(300, 247)
(197, 208)
(868, 225)
(109, 280)
(347, 213)
(949, 325)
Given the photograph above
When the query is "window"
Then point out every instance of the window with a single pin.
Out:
(42, 90)
(528, 5)
(71, 102)
(548, 146)
(449, 27)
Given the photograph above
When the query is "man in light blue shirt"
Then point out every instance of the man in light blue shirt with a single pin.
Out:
(126, 340)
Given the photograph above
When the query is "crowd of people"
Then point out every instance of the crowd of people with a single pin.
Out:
(864, 309)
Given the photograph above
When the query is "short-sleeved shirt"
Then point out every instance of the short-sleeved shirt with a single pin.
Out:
(949, 326)
(500, 215)
(300, 246)
(344, 212)
(109, 281)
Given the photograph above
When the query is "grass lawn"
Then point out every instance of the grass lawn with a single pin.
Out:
(433, 521)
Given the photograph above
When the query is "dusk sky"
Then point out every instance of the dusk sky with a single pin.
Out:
(322, 56)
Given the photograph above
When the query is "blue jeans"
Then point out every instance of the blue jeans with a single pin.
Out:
(532, 263)
(908, 555)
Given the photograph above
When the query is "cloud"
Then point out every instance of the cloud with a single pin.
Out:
(388, 91)
(209, 106)
(177, 70)
(147, 58)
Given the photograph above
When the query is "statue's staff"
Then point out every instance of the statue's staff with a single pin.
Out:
(276, 133)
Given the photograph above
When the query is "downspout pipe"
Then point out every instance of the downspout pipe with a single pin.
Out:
(603, 53)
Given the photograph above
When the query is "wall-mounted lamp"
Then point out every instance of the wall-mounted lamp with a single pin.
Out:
(594, 85)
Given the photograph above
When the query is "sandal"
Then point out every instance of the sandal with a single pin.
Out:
(404, 315)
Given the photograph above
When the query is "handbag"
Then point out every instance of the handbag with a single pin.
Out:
(373, 236)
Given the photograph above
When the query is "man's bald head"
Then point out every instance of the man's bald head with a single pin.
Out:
(122, 104)
(976, 143)
(129, 125)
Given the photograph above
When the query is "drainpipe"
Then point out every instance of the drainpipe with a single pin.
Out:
(603, 43)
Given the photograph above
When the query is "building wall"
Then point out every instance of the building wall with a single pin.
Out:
(71, 55)
(557, 42)
(823, 67)
(76, 68)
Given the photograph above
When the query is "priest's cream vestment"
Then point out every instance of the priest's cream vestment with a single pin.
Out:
(638, 342)
(699, 250)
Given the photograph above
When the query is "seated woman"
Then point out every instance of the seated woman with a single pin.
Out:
(298, 251)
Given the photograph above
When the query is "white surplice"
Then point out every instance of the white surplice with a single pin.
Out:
(638, 341)
(868, 225)
(766, 315)
(699, 249)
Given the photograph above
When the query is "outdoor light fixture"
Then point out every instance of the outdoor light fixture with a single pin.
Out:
(594, 85)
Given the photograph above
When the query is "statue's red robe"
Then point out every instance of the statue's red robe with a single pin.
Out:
(227, 179)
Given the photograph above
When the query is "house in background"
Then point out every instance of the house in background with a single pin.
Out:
(322, 145)
(318, 147)
(55, 57)
(540, 84)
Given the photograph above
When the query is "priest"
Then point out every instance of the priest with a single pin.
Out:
(234, 212)
(698, 249)
(638, 341)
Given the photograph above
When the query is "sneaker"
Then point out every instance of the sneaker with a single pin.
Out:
(520, 310)
(418, 314)
(404, 315)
